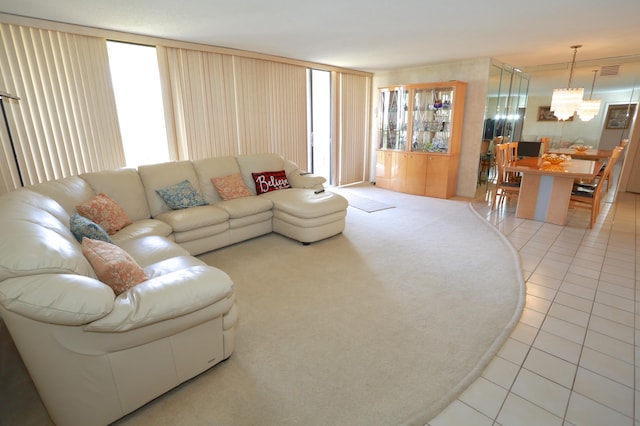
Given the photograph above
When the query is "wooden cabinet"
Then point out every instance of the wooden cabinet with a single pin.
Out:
(420, 129)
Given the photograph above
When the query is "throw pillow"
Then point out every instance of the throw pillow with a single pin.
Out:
(113, 266)
(181, 196)
(105, 212)
(270, 181)
(82, 227)
(230, 187)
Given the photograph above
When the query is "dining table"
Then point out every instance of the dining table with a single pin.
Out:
(545, 188)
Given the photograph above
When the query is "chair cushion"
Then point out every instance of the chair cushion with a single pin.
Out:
(583, 192)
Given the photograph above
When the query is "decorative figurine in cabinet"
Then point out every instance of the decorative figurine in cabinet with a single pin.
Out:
(420, 128)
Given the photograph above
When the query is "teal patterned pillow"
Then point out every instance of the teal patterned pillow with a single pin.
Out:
(181, 196)
(82, 227)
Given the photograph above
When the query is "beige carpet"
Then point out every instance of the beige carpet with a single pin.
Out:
(382, 325)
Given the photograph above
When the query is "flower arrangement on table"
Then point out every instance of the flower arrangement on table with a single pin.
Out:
(553, 162)
(581, 148)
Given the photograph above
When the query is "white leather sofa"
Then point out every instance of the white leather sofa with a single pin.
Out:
(95, 356)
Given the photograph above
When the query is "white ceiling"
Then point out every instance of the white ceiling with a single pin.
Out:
(375, 35)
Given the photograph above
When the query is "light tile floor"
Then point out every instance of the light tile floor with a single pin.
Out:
(573, 357)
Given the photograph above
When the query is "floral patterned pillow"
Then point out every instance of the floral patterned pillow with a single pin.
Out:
(82, 227)
(181, 196)
(105, 212)
(112, 265)
(270, 181)
(230, 187)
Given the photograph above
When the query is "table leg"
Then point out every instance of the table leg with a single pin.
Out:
(544, 198)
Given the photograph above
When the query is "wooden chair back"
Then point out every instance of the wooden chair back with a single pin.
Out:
(546, 141)
(504, 188)
(593, 202)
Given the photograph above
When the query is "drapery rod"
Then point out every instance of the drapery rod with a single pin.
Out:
(8, 95)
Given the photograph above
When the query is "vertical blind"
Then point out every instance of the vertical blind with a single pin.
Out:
(353, 127)
(216, 104)
(200, 89)
(228, 105)
(66, 121)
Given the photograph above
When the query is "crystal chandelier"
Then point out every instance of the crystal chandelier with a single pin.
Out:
(591, 107)
(565, 102)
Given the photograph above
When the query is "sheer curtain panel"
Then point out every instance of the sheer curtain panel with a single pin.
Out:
(66, 121)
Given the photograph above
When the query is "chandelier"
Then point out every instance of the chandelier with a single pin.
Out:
(565, 102)
(591, 107)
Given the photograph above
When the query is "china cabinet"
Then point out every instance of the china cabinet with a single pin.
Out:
(420, 128)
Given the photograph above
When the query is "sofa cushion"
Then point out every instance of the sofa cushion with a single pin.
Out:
(152, 249)
(68, 192)
(193, 218)
(142, 228)
(156, 176)
(124, 187)
(168, 296)
(105, 212)
(82, 227)
(181, 195)
(172, 264)
(231, 186)
(270, 181)
(207, 168)
(31, 227)
(254, 163)
(113, 266)
(245, 206)
(305, 203)
(46, 298)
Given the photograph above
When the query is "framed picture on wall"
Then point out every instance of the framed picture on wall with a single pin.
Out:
(617, 117)
(545, 114)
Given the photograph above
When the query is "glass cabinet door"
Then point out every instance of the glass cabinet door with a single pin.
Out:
(393, 119)
(431, 118)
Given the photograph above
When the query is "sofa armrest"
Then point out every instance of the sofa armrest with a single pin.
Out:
(167, 296)
(63, 299)
(300, 179)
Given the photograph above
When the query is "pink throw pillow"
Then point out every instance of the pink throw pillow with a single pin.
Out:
(230, 187)
(105, 212)
(270, 181)
(113, 266)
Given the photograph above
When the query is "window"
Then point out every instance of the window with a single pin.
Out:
(136, 83)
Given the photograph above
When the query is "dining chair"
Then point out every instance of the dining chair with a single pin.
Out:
(600, 174)
(485, 160)
(504, 187)
(590, 196)
(512, 155)
(546, 141)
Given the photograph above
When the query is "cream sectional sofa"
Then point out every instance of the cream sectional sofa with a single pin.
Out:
(95, 356)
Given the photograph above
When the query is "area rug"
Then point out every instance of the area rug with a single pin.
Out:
(384, 324)
(362, 203)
